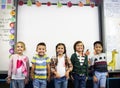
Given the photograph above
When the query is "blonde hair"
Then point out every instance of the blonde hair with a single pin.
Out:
(22, 43)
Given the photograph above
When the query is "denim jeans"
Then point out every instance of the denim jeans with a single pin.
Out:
(79, 81)
(61, 82)
(18, 83)
(37, 83)
(101, 76)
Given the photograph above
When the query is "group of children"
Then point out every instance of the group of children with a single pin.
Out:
(59, 68)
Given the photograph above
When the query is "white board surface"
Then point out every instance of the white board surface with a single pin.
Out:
(53, 25)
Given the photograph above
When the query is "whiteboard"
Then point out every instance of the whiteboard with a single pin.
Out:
(4, 38)
(53, 25)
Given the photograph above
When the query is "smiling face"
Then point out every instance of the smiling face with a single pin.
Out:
(60, 50)
(41, 49)
(79, 47)
(98, 48)
(20, 47)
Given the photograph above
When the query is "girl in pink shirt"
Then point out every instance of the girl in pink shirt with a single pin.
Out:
(18, 71)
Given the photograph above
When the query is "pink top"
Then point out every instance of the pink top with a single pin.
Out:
(15, 63)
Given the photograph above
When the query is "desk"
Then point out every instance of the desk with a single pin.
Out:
(113, 75)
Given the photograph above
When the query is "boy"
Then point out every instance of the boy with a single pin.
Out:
(40, 70)
(99, 66)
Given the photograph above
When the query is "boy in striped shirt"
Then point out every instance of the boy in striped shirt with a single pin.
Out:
(40, 70)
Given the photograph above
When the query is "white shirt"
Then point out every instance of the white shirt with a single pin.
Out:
(61, 66)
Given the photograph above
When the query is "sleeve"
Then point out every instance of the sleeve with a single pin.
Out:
(10, 66)
(70, 66)
(28, 66)
(52, 64)
(86, 65)
(33, 60)
(72, 59)
(92, 65)
(48, 60)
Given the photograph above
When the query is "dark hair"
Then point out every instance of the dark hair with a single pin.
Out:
(41, 43)
(63, 46)
(98, 42)
(76, 44)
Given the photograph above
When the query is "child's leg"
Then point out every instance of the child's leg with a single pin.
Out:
(76, 81)
(36, 83)
(14, 83)
(83, 82)
(103, 80)
(96, 85)
(57, 83)
(43, 83)
(64, 84)
(98, 75)
(21, 83)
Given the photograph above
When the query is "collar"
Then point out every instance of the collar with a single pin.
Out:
(79, 55)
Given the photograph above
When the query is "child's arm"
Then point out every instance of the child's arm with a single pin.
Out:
(28, 68)
(32, 71)
(70, 67)
(52, 67)
(95, 79)
(48, 71)
(10, 70)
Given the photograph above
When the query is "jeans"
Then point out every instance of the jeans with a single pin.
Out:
(37, 83)
(101, 76)
(61, 82)
(79, 81)
(18, 83)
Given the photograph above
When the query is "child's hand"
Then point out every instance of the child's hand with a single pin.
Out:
(107, 75)
(72, 77)
(67, 74)
(87, 52)
(95, 79)
(57, 75)
(26, 80)
(48, 78)
(86, 79)
(32, 77)
(8, 80)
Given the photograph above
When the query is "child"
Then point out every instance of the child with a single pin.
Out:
(99, 65)
(61, 66)
(80, 65)
(40, 70)
(19, 67)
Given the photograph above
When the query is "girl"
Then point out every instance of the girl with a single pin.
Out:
(61, 66)
(80, 65)
(18, 71)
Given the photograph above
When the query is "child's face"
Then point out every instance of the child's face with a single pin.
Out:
(60, 50)
(79, 47)
(20, 48)
(41, 50)
(98, 48)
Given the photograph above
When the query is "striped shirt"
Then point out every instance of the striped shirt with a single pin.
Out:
(99, 62)
(40, 66)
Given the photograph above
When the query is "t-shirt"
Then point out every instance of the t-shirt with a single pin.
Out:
(61, 66)
(40, 66)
